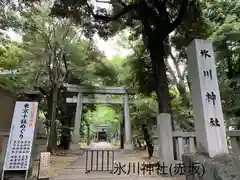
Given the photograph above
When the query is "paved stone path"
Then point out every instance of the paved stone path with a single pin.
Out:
(76, 171)
(101, 145)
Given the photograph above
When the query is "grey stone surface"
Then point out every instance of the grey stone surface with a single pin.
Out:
(222, 167)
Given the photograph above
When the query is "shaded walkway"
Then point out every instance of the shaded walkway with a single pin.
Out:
(76, 170)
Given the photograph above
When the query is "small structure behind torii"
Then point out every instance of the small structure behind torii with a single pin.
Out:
(80, 99)
(102, 132)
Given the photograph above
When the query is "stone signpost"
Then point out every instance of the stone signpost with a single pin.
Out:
(208, 114)
(212, 149)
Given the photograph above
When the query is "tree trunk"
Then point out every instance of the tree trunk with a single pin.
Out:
(183, 93)
(139, 143)
(122, 134)
(52, 134)
(65, 134)
(66, 131)
(147, 140)
(49, 111)
(88, 134)
(189, 85)
(160, 77)
(157, 53)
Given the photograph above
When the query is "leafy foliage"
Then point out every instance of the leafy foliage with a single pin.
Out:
(64, 45)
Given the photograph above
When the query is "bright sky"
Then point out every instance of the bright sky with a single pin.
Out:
(111, 47)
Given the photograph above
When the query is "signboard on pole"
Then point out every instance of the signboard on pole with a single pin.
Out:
(21, 136)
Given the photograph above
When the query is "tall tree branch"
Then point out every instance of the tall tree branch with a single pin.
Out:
(184, 70)
(171, 72)
(180, 16)
(175, 62)
(49, 66)
(41, 32)
(149, 12)
(65, 62)
(159, 5)
(121, 3)
(112, 2)
(115, 17)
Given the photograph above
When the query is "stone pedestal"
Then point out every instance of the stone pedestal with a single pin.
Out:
(74, 147)
(221, 167)
(165, 139)
(156, 147)
(156, 151)
(128, 148)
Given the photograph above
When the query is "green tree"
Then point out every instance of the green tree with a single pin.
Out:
(224, 17)
(103, 114)
(150, 19)
(56, 54)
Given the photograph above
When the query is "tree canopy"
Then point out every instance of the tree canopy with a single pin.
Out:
(57, 46)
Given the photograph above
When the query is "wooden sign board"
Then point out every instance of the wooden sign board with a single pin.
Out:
(44, 165)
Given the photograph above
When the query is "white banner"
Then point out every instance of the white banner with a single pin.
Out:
(21, 136)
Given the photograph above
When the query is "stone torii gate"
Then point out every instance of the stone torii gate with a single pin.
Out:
(80, 99)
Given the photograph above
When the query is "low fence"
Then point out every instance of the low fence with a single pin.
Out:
(186, 142)
(99, 160)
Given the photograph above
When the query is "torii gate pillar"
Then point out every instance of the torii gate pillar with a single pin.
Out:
(128, 145)
(77, 122)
